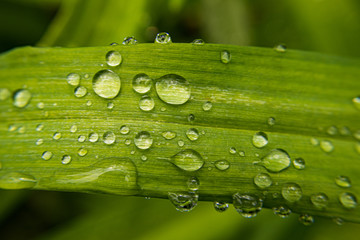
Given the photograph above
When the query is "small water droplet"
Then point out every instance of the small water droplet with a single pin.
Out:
(263, 180)
(281, 48)
(128, 142)
(260, 139)
(39, 142)
(21, 129)
(173, 89)
(73, 79)
(356, 102)
(181, 143)
(207, 106)
(232, 150)
(86, 76)
(113, 58)
(22, 98)
(332, 130)
(188, 160)
(4, 94)
(12, 128)
(40, 105)
(222, 165)
(146, 103)
(326, 146)
(124, 129)
(192, 134)
(142, 83)
(306, 219)
(198, 42)
(242, 153)
(163, 38)
(109, 138)
(320, 200)
(338, 221)
(129, 41)
(73, 128)
(80, 91)
(193, 184)
(291, 192)
(276, 160)
(88, 103)
(356, 134)
(183, 201)
(93, 137)
(271, 121)
(114, 44)
(17, 180)
(191, 117)
(143, 140)
(225, 56)
(314, 141)
(357, 147)
(82, 152)
(247, 205)
(143, 158)
(110, 105)
(57, 136)
(47, 155)
(221, 206)
(168, 135)
(348, 200)
(163, 109)
(82, 138)
(39, 127)
(299, 163)
(343, 181)
(345, 131)
(66, 159)
(106, 84)
(282, 211)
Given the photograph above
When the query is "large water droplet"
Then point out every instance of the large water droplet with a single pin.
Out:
(326, 146)
(183, 201)
(306, 219)
(143, 140)
(17, 180)
(193, 184)
(168, 135)
(291, 192)
(73, 79)
(221, 206)
(129, 41)
(192, 134)
(80, 91)
(22, 98)
(66, 159)
(142, 83)
(348, 200)
(222, 165)
(247, 205)
(113, 58)
(4, 94)
(173, 89)
(343, 181)
(225, 56)
(146, 103)
(260, 139)
(276, 161)
(299, 163)
(163, 38)
(263, 180)
(282, 211)
(356, 102)
(188, 160)
(47, 155)
(106, 84)
(93, 137)
(109, 138)
(207, 106)
(320, 200)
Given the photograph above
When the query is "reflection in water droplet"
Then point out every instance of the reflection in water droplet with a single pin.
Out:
(39, 142)
(66, 159)
(73, 128)
(271, 121)
(343, 181)
(299, 163)
(338, 221)
(282, 211)
(22, 98)
(146, 103)
(144, 158)
(109, 138)
(183, 201)
(106, 84)
(181, 143)
(168, 135)
(110, 105)
(222, 165)
(124, 129)
(17, 180)
(242, 153)
(306, 219)
(221, 206)
(198, 42)
(173, 89)
(225, 56)
(207, 106)
(113, 58)
(88, 103)
(263, 180)
(281, 48)
(73, 79)
(80, 91)
(320, 200)
(191, 117)
(4, 94)
(163, 38)
(247, 205)
(356, 102)
(260, 139)
(193, 184)
(93, 137)
(143, 140)
(192, 134)
(47, 155)
(291, 192)
(57, 136)
(276, 161)
(129, 41)
(348, 200)
(142, 83)
(188, 160)
(232, 150)
(81, 138)
(326, 146)
(82, 152)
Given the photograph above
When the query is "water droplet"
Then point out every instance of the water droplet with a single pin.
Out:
(89, 103)
(82, 152)
(82, 138)
(39, 127)
(106, 84)
(198, 42)
(93, 137)
(263, 180)
(114, 44)
(271, 121)
(4, 94)
(142, 83)
(338, 221)
(276, 160)
(146, 103)
(326, 146)
(128, 142)
(192, 134)
(168, 135)
(242, 153)
(356, 134)
(221, 206)
(113, 58)
(73, 128)
(80, 91)
(357, 147)
(222, 165)
(260, 139)
(66, 159)
(183, 201)
(129, 41)
(188, 160)
(144, 158)
(47, 155)
(281, 48)
(291, 192)
(173, 89)
(40, 105)
(299, 163)
(320, 200)
(163, 38)
(12, 128)
(109, 138)
(22, 98)
(247, 205)
(73, 79)
(282, 211)
(57, 136)
(17, 180)
(332, 130)
(356, 102)
(232, 150)
(181, 143)
(343, 181)
(163, 109)
(193, 184)
(143, 140)
(207, 106)
(345, 131)
(191, 117)
(314, 141)
(124, 129)
(225, 56)
(110, 105)
(86, 76)
(348, 200)
(21, 129)
(39, 142)
(306, 219)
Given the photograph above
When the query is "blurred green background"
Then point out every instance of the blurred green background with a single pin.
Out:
(325, 26)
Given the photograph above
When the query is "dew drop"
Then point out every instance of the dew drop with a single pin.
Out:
(222, 165)
(73, 128)
(22, 98)
(314, 141)
(4, 94)
(192, 134)
(21, 129)
(247, 205)
(338, 221)
(142, 83)
(129, 41)
(348, 200)
(39, 142)
(221, 206)
(143, 140)
(207, 106)
(356, 102)
(183, 201)
(357, 147)
(47, 155)
(82, 138)
(110, 105)
(17, 180)
(173, 89)
(57, 136)
(66, 159)
(163, 38)
(345, 131)
(242, 153)
(82, 152)
(193, 184)
(198, 42)
(326, 146)
(232, 150)
(291, 192)
(168, 135)
(271, 121)
(113, 58)
(191, 117)
(260, 139)
(109, 138)
(225, 56)
(40, 105)
(89, 103)
(93, 137)
(80, 91)
(39, 127)
(299, 163)
(181, 143)
(332, 130)
(281, 48)
(282, 211)
(73, 79)
(106, 84)
(124, 129)
(343, 181)
(144, 158)
(276, 161)
(320, 200)
(146, 103)
(12, 128)
(306, 219)
(128, 142)
(263, 180)
(188, 160)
